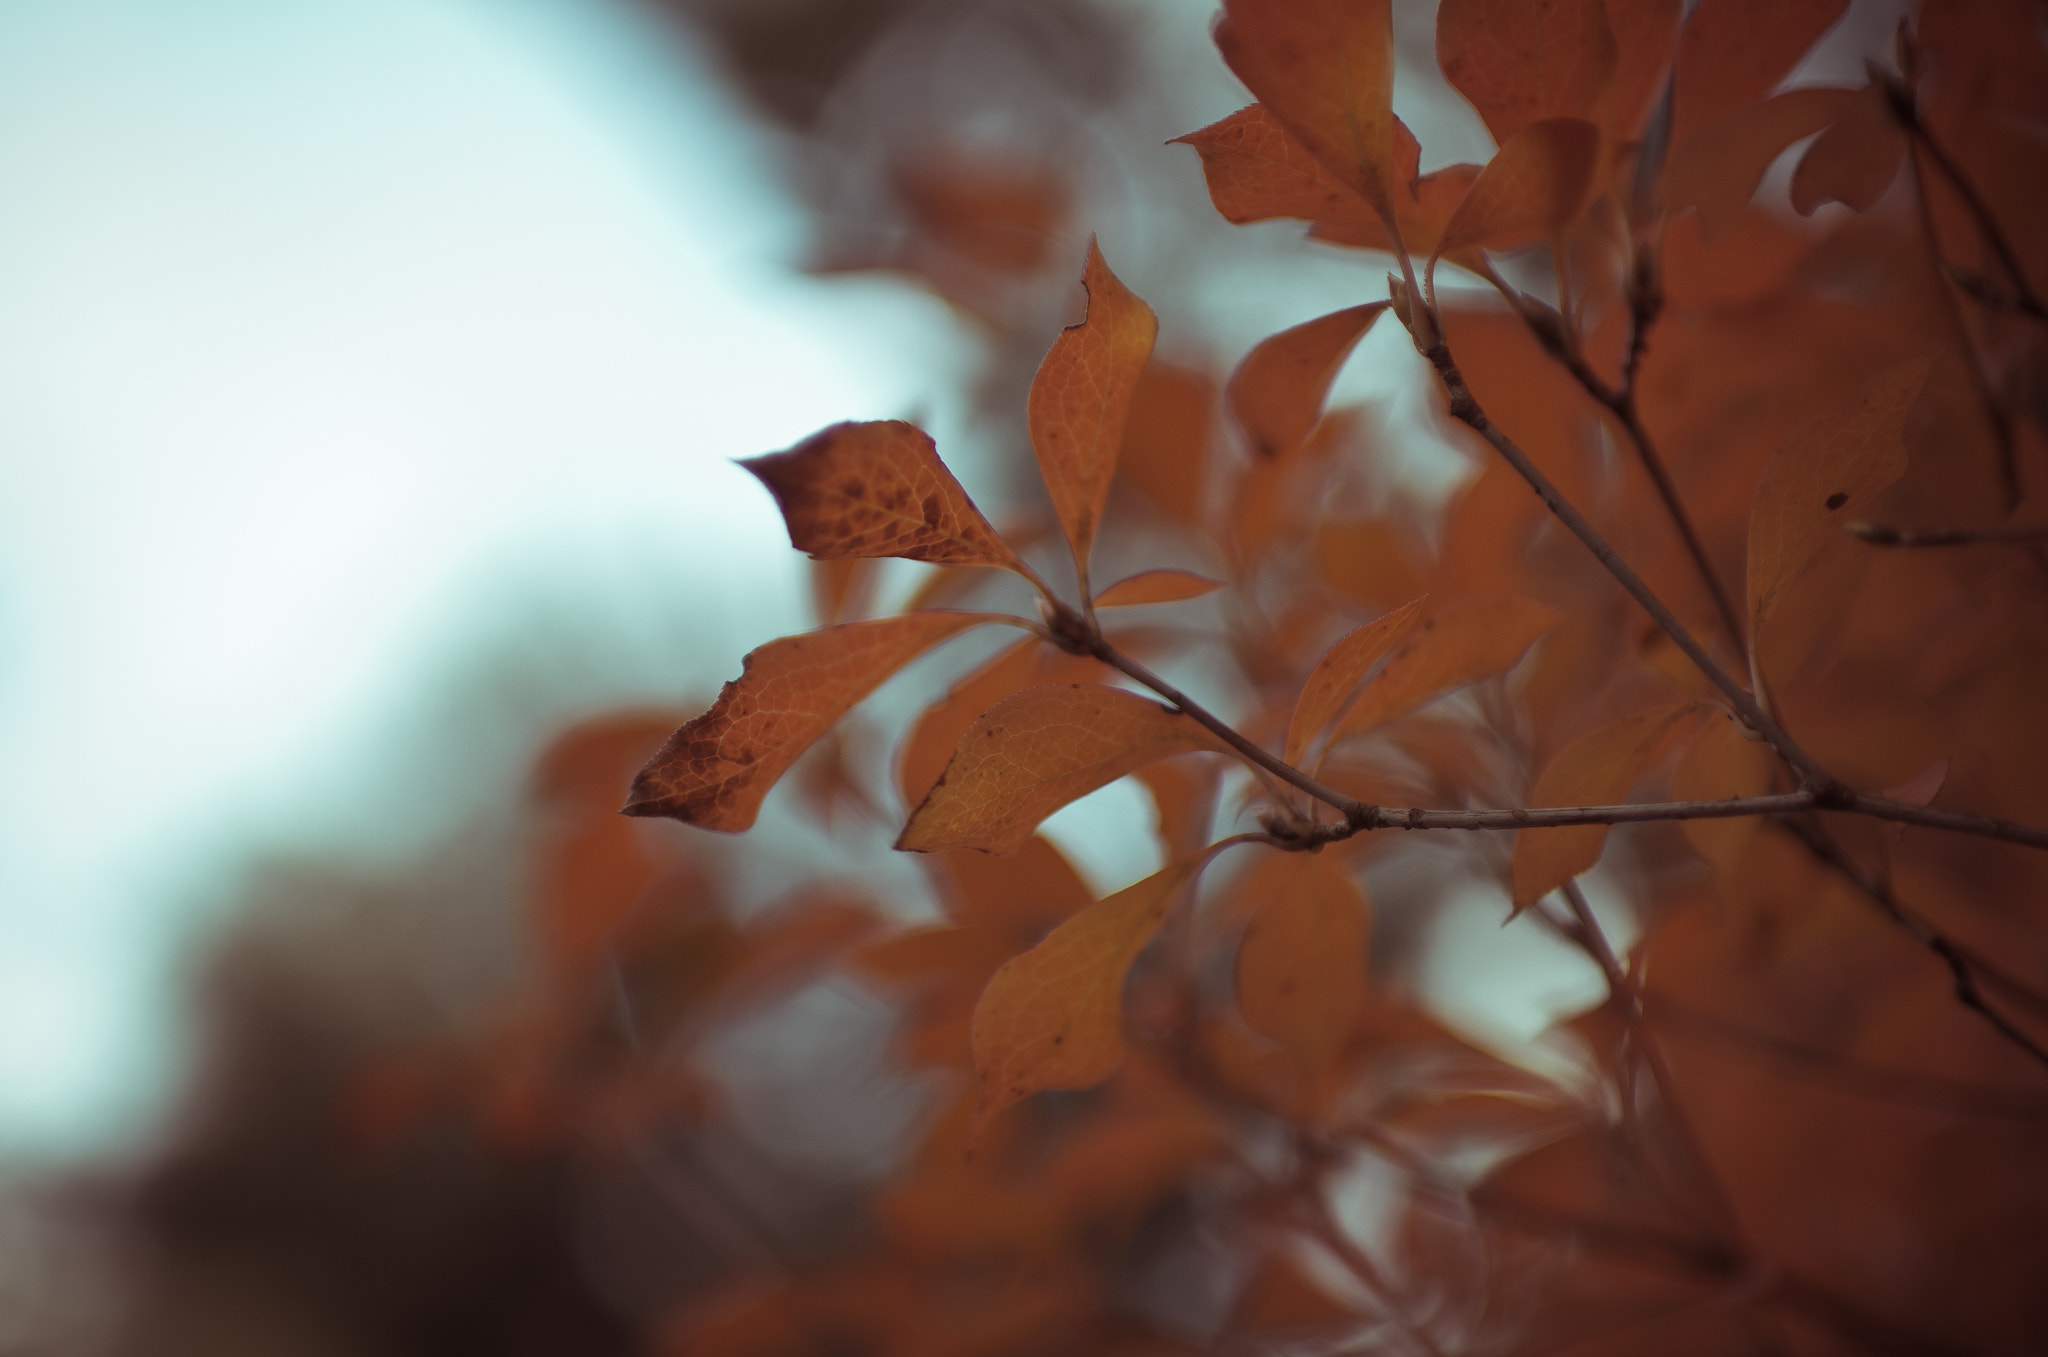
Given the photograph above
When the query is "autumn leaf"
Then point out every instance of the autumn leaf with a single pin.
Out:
(1340, 670)
(1036, 751)
(1855, 160)
(1325, 69)
(878, 489)
(1258, 170)
(714, 771)
(1277, 392)
(1722, 762)
(1645, 38)
(928, 745)
(1156, 586)
(1052, 1017)
(1718, 167)
(1520, 61)
(1080, 398)
(1825, 477)
(1535, 184)
(1301, 968)
(1597, 769)
(1465, 640)
(1734, 52)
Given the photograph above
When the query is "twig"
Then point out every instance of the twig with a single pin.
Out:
(1891, 535)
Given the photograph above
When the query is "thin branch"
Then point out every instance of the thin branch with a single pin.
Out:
(1465, 409)
(1959, 822)
(1891, 535)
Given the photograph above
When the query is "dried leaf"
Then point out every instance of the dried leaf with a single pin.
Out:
(1536, 183)
(1301, 968)
(1824, 477)
(1325, 69)
(1257, 170)
(1645, 38)
(878, 489)
(714, 771)
(1597, 769)
(1854, 161)
(1340, 670)
(1717, 168)
(1053, 1016)
(1734, 52)
(1277, 392)
(1465, 640)
(1422, 217)
(930, 741)
(1519, 61)
(1722, 762)
(1081, 396)
(1167, 439)
(1156, 586)
(1033, 753)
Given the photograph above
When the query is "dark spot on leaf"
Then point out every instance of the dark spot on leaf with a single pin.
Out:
(1838, 499)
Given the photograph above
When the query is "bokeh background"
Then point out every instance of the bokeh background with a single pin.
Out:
(370, 372)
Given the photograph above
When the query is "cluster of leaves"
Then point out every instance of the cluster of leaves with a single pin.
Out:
(1806, 1117)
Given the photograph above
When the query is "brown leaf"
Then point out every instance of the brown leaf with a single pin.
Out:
(1734, 52)
(1854, 161)
(1080, 398)
(1718, 167)
(1053, 1016)
(1277, 392)
(1535, 184)
(1722, 762)
(878, 489)
(1167, 439)
(1465, 640)
(1325, 69)
(1340, 670)
(928, 744)
(1645, 37)
(1258, 170)
(714, 771)
(1034, 752)
(1597, 769)
(1824, 477)
(1156, 586)
(1301, 968)
(1519, 61)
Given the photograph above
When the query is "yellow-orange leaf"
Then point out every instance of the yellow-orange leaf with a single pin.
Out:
(929, 743)
(1721, 763)
(1536, 183)
(1734, 52)
(1854, 161)
(1156, 586)
(1823, 478)
(1519, 61)
(1034, 752)
(714, 771)
(1301, 968)
(1325, 69)
(1257, 170)
(1080, 397)
(1597, 769)
(878, 489)
(1277, 392)
(1465, 640)
(1717, 168)
(1339, 671)
(1052, 1017)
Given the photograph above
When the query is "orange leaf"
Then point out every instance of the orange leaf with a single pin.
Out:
(1301, 966)
(1854, 161)
(1325, 69)
(1080, 397)
(1717, 168)
(1734, 52)
(1645, 36)
(1518, 61)
(1277, 392)
(714, 771)
(1167, 439)
(1156, 586)
(1052, 1017)
(878, 489)
(1257, 170)
(1423, 216)
(1823, 478)
(928, 744)
(1721, 763)
(1465, 640)
(1535, 184)
(1597, 769)
(1339, 671)
(1034, 752)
